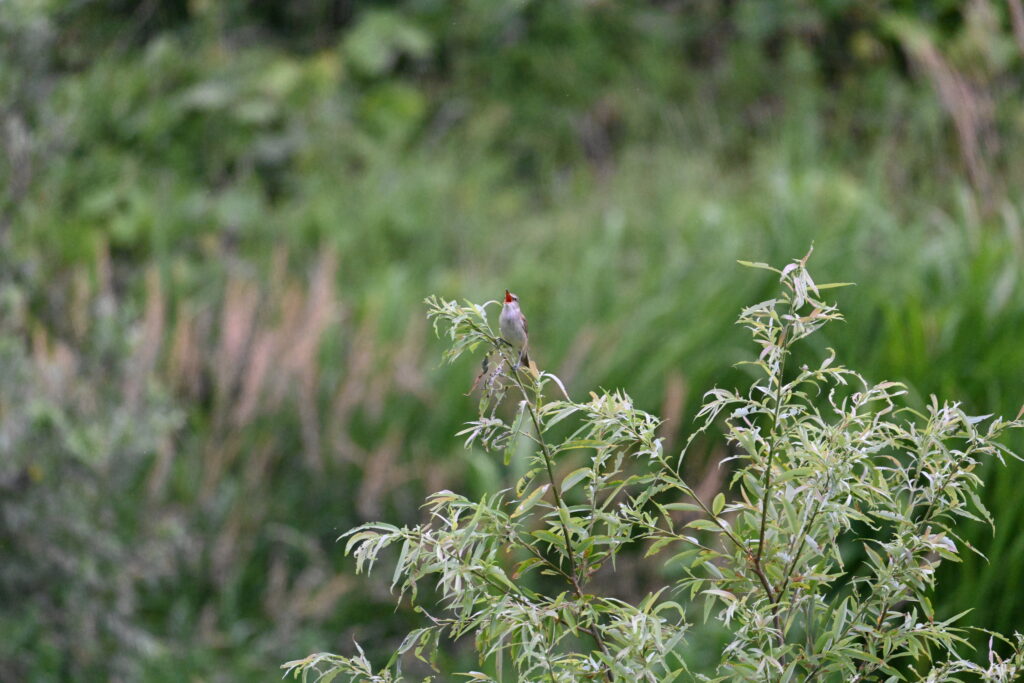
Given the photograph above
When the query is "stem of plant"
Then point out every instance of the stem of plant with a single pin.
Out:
(569, 551)
(758, 570)
(771, 455)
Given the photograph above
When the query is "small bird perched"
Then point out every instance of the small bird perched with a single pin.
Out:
(512, 325)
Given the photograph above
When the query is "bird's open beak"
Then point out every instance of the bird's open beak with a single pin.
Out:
(508, 297)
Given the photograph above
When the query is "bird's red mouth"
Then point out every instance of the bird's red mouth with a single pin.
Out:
(508, 297)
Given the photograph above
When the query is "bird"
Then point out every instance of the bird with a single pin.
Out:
(513, 327)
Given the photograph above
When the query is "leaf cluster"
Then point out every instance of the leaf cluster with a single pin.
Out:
(819, 560)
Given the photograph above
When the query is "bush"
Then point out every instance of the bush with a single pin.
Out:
(82, 424)
(821, 564)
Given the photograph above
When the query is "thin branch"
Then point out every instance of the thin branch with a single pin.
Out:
(766, 494)
(546, 454)
(569, 550)
(802, 534)
(772, 446)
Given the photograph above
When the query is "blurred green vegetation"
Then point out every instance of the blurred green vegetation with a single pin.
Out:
(218, 220)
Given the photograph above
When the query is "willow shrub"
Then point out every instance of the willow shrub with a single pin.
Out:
(824, 461)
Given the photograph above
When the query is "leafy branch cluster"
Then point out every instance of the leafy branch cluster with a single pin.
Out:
(819, 563)
(828, 464)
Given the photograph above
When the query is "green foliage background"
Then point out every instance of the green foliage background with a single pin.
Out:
(218, 220)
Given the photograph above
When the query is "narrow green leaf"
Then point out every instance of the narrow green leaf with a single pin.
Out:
(795, 473)
(657, 546)
(718, 503)
(513, 438)
(526, 565)
(400, 565)
(685, 507)
(356, 538)
(575, 477)
(574, 444)
(758, 264)
(531, 500)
